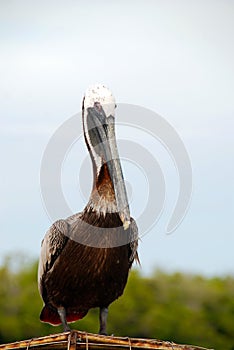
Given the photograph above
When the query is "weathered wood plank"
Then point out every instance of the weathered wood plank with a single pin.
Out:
(80, 340)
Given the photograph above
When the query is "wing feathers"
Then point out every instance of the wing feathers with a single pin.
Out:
(51, 247)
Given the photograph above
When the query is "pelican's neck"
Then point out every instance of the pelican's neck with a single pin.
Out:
(102, 199)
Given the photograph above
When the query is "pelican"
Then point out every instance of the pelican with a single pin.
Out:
(85, 259)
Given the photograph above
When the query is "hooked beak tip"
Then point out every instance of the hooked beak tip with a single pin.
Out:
(126, 222)
(126, 225)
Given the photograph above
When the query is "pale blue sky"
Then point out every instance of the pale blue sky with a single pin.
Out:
(172, 56)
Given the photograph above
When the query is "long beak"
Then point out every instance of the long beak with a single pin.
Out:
(101, 130)
(117, 176)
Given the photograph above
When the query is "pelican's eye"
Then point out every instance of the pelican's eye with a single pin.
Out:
(98, 106)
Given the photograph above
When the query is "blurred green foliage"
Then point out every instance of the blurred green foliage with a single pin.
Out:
(174, 307)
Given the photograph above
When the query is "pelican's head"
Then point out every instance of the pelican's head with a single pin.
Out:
(100, 97)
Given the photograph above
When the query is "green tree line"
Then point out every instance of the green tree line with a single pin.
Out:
(176, 307)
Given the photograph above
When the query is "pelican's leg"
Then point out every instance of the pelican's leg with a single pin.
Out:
(103, 320)
(62, 315)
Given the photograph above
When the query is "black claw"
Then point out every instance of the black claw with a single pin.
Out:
(102, 333)
(67, 329)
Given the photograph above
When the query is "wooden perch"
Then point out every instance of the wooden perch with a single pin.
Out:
(75, 340)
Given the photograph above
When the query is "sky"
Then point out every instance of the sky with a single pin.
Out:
(172, 57)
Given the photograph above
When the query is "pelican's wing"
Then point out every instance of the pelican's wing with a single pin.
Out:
(51, 247)
(134, 242)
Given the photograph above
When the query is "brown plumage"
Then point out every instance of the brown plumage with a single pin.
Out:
(85, 259)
